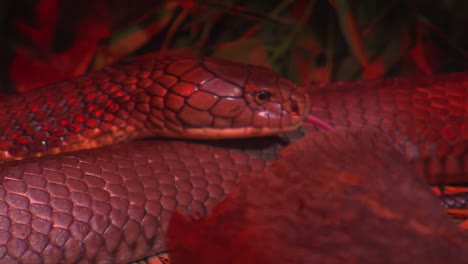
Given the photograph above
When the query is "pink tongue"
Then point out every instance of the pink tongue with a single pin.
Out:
(315, 121)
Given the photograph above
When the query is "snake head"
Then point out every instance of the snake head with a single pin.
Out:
(214, 99)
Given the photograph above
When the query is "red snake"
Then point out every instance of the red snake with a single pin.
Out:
(177, 98)
(114, 203)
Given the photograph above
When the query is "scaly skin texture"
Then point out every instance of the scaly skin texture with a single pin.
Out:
(160, 97)
(113, 204)
(427, 118)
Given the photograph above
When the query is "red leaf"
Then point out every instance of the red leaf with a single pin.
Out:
(29, 71)
(43, 66)
(42, 34)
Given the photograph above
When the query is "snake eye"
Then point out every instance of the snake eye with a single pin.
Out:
(262, 96)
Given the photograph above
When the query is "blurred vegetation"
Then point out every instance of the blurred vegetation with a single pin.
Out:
(307, 40)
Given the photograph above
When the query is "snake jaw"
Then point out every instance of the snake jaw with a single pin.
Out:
(242, 132)
(289, 116)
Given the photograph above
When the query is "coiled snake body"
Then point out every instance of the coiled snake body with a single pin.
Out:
(113, 204)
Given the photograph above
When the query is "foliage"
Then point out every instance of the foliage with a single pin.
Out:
(306, 40)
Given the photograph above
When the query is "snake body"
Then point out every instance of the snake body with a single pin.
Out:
(112, 204)
(426, 118)
(162, 97)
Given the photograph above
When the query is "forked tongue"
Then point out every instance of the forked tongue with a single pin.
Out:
(310, 119)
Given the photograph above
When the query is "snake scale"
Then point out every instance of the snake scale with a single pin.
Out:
(113, 203)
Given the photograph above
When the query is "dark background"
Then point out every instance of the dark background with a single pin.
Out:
(43, 41)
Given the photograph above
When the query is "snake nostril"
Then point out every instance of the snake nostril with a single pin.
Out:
(295, 108)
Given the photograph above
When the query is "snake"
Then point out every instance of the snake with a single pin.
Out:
(179, 98)
(82, 183)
